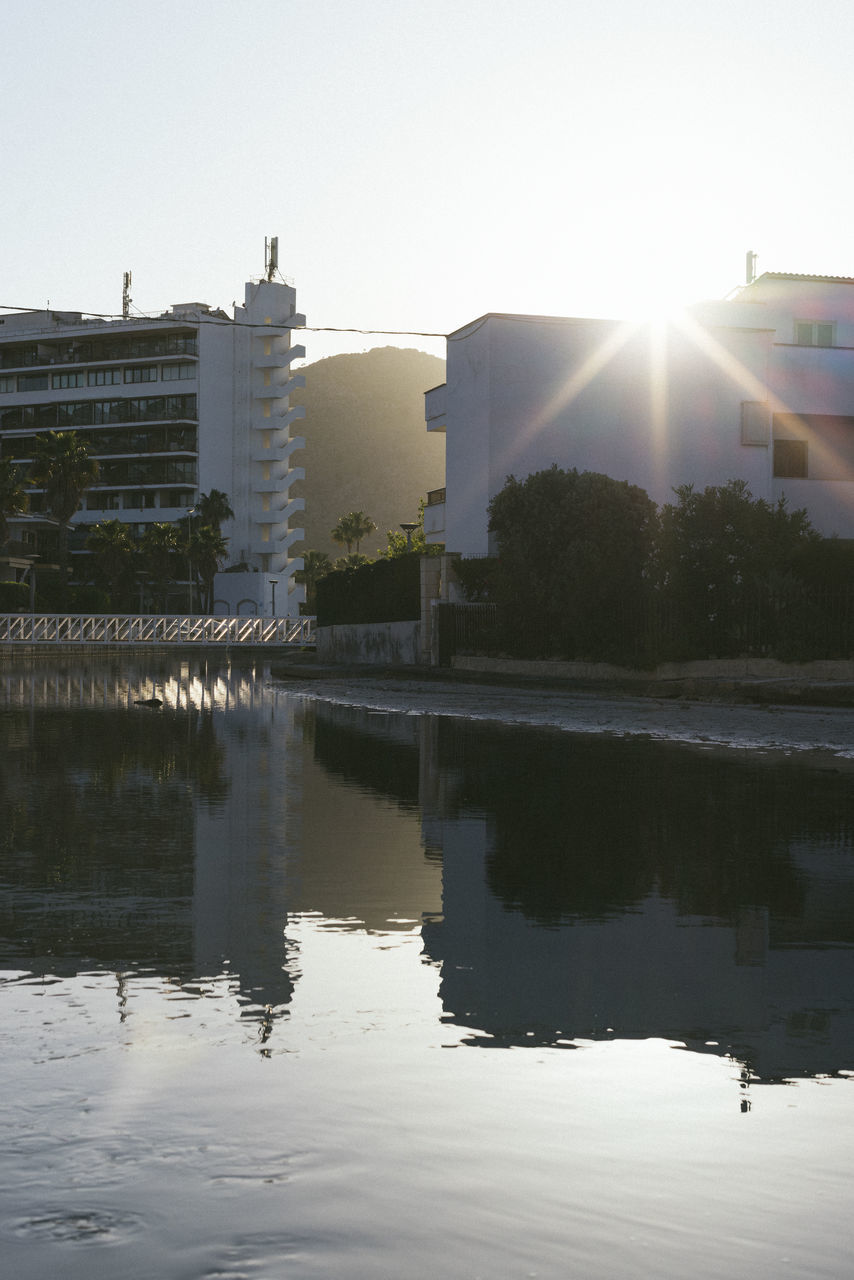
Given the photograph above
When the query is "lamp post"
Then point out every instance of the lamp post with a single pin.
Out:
(409, 529)
(190, 515)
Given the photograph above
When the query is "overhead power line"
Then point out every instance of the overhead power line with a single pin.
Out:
(243, 324)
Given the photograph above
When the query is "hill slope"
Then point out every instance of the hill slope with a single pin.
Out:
(367, 447)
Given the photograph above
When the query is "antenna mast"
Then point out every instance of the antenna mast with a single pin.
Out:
(126, 298)
(750, 267)
(271, 256)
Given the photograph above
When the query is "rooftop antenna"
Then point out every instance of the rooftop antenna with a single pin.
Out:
(126, 298)
(271, 256)
(750, 267)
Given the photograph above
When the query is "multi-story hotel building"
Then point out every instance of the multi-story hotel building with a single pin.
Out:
(171, 407)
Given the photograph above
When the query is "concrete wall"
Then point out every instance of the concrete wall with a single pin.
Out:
(377, 643)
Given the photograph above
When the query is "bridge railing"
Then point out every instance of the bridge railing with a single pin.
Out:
(154, 629)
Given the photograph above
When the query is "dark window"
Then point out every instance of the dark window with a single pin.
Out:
(790, 459)
(809, 333)
(63, 380)
(32, 382)
(142, 373)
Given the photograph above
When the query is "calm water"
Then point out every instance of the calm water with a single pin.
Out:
(290, 989)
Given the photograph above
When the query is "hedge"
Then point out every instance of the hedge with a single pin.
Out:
(383, 591)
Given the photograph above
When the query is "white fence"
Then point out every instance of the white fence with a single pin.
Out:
(71, 629)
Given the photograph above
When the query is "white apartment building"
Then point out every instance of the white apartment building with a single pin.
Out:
(171, 407)
(758, 387)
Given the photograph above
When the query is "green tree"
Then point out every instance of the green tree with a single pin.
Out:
(208, 549)
(415, 542)
(722, 556)
(114, 557)
(352, 528)
(315, 565)
(354, 560)
(161, 551)
(63, 468)
(214, 508)
(13, 496)
(574, 550)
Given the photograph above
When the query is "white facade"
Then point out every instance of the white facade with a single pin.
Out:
(760, 388)
(171, 407)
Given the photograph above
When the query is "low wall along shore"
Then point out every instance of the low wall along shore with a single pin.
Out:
(395, 644)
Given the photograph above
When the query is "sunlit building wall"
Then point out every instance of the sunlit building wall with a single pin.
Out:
(759, 387)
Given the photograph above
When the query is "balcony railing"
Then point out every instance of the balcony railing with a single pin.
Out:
(157, 629)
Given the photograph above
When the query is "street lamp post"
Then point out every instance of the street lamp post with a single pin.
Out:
(409, 529)
(190, 515)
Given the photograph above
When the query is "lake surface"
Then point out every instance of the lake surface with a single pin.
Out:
(290, 988)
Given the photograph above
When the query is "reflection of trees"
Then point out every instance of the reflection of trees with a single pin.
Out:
(98, 832)
(376, 761)
(589, 826)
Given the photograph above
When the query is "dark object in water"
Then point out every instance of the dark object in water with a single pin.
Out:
(149, 702)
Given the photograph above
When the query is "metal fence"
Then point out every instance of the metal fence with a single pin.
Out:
(169, 629)
(791, 625)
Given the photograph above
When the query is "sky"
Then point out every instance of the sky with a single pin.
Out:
(421, 161)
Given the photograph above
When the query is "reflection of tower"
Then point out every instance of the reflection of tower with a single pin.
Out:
(362, 862)
(243, 847)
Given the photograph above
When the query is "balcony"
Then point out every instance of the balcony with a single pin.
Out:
(279, 452)
(279, 421)
(278, 390)
(279, 359)
(434, 516)
(275, 546)
(279, 483)
(435, 407)
(276, 514)
(265, 331)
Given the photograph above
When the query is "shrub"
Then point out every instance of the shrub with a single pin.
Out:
(14, 597)
(574, 549)
(382, 591)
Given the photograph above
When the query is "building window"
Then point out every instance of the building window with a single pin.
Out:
(177, 372)
(809, 333)
(7, 384)
(32, 382)
(104, 377)
(59, 381)
(141, 373)
(790, 459)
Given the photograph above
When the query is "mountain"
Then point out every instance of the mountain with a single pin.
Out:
(367, 447)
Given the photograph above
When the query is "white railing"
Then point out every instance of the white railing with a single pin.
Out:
(157, 629)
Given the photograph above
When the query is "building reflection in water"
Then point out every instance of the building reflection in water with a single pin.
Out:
(566, 888)
(602, 888)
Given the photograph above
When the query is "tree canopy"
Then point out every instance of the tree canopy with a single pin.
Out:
(63, 468)
(352, 528)
(573, 549)
(214, 508)
(14, 497)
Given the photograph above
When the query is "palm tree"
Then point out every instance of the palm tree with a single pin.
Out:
(13, 496)
(113, 555)
(315, 565)
(354, 560)
(213, 508)
(208, 549)
(160, 549)
(62, 467)
(352, 528)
